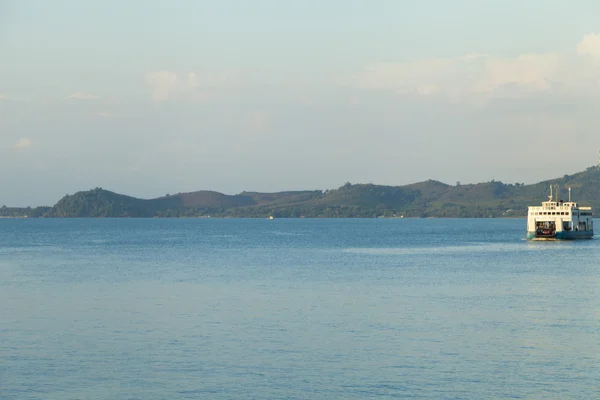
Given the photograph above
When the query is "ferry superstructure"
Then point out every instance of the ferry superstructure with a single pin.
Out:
(558, 220)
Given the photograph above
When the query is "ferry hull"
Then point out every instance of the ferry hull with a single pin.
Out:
(564, 235)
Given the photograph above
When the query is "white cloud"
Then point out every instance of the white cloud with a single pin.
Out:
(104, 114)
(83, 96)
(23, 143)
(484, 76)
(3, 97)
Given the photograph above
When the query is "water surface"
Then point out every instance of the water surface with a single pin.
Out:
(299, 308)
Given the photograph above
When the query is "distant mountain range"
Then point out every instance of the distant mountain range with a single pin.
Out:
(424, 199)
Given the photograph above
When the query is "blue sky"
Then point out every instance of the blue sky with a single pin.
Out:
(155, 97)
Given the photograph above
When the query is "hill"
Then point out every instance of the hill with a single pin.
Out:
(422, 199)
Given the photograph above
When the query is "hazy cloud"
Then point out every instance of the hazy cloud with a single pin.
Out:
(485, 76)
(133, 168)
(3, 97)
(258, 121)
(23, 143)
(83, 96)
(176, 146)
(531, 72)
(166, 85)
(354, 100)
(305, 99)
(192, 80)
(471, 74)
(162, 84)
(427, 90)
(590, 45)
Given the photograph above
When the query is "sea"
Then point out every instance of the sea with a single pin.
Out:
(295, 309)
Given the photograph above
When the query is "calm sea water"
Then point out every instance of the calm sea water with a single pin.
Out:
(295, 309)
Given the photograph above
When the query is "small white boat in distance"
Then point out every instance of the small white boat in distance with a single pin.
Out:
(558, 220)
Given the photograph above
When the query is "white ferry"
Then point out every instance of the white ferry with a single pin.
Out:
(558, 220)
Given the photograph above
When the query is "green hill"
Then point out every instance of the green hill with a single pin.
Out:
(423, 199)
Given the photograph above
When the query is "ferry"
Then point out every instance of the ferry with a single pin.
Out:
(558, 220)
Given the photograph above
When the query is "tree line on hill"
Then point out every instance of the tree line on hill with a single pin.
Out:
(418, 200)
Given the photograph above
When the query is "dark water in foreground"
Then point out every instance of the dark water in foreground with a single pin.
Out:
(295, 309)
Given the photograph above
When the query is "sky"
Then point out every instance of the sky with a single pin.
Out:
(153, 97)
